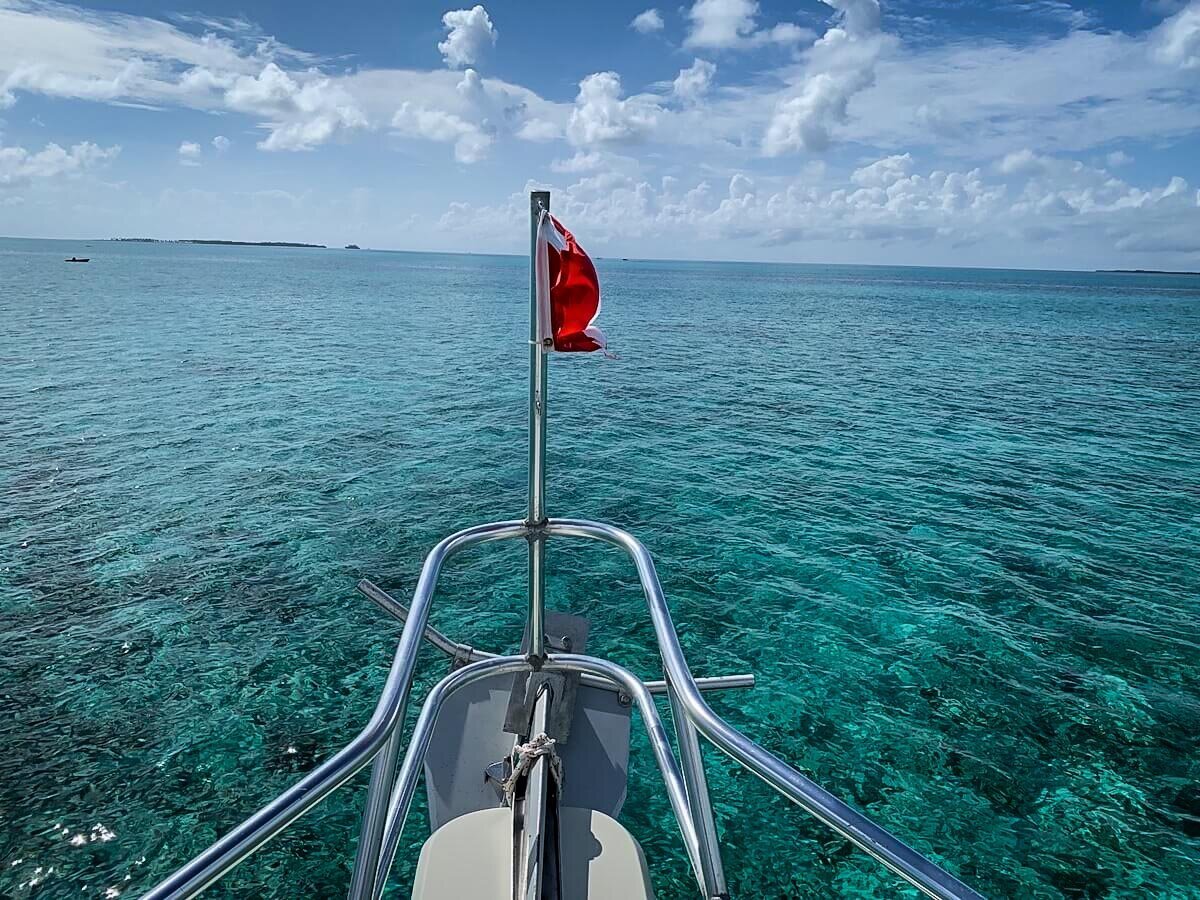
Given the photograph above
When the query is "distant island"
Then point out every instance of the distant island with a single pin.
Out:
(256, 244)
(353, 247)
(128, 240)
(1142, 272)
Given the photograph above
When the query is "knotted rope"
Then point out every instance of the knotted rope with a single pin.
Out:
(526, 755)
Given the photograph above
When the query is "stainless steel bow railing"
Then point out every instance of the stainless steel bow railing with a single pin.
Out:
(380, 741)
(601, 669)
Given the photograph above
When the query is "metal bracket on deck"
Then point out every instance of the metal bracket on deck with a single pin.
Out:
(564, 634)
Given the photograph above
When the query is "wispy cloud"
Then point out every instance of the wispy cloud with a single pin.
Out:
(1177, 40)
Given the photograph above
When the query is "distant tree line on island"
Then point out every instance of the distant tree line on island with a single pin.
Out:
(1142, 272)
(145, 240)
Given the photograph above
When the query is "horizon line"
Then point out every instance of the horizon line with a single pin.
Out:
(754, 262)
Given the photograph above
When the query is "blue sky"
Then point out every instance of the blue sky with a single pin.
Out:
(1040, 133)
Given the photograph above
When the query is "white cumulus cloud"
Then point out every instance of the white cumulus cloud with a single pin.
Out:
(221, 143)
(18, 166)
(726, 24)
(601, 116)
(741, 187)
(1021, 162)
(300, 114)
(884, 171)
(189, 153)
(580, 162)
(539, 130)
(471, 143)
(840, 65)
(469, 33)
(1035, 214)
(692, 83)
(647, 22)
(471, 85)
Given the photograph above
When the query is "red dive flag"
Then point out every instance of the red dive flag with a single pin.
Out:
(568, 291)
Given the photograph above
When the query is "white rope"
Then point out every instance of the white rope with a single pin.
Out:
(526, 755)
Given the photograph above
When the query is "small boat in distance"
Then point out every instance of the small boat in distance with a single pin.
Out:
(78, 259)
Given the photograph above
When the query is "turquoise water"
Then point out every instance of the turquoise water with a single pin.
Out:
(950, 519)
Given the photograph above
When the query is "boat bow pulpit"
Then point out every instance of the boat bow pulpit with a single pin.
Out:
(525, 757)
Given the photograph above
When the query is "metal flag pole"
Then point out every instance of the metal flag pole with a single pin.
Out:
(539, 202)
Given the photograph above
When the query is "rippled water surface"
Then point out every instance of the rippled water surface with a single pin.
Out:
(950, 518)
